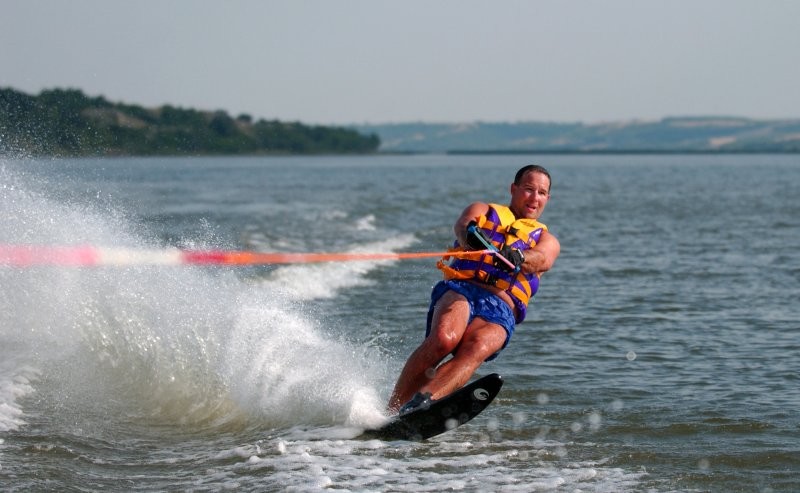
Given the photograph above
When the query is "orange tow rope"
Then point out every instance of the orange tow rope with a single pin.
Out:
(85, 256)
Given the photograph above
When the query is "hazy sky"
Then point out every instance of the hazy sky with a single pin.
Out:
(377, 61)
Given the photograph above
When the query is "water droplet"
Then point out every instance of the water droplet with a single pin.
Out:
(595, 420)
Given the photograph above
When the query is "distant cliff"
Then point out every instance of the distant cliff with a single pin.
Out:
(690, 134)
(68, 123)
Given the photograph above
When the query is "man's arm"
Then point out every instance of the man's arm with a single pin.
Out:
(471, 213)
(537, 260)
(542, 256)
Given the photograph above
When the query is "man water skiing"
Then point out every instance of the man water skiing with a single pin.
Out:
(474, 310)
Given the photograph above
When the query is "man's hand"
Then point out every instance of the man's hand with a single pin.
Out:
(476, 239)
(513, 255)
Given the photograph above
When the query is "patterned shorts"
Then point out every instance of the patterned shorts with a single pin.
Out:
(482, 303)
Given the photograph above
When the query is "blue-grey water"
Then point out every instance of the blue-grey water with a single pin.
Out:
(660, 355)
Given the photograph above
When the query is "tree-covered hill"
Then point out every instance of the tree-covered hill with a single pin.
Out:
(677, 134)
(66, 122)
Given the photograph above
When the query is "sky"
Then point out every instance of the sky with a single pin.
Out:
(437, 61)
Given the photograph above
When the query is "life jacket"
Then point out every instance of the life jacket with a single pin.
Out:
(502, 228)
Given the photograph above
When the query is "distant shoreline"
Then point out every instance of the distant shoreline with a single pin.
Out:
(701, 135)
(68, 123)
(613, 152)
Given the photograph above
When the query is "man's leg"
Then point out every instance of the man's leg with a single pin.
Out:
(450, 318)
(471, 346)
(481, 340)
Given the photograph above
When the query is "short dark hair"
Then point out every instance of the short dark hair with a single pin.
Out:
(532, 168)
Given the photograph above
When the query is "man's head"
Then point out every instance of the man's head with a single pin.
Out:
(530, 192)
(531, 168)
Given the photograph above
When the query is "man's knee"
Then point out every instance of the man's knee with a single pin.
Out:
(483, 343)
(442, 342)
(477, 350)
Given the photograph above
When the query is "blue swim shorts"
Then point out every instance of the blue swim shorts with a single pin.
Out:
(482, 303)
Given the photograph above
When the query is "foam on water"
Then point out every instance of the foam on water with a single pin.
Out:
(299, 465)
(282, 365)
(16, 381)
(182, 345)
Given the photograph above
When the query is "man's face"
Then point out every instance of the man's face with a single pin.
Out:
(529, 198)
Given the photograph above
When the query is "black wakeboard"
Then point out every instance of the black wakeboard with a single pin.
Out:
(442, 415)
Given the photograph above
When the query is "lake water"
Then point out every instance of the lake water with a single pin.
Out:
(661, 353)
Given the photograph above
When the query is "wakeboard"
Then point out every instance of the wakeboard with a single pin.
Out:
(441, 415)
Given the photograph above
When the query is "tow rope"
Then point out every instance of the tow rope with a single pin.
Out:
(88, 256)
